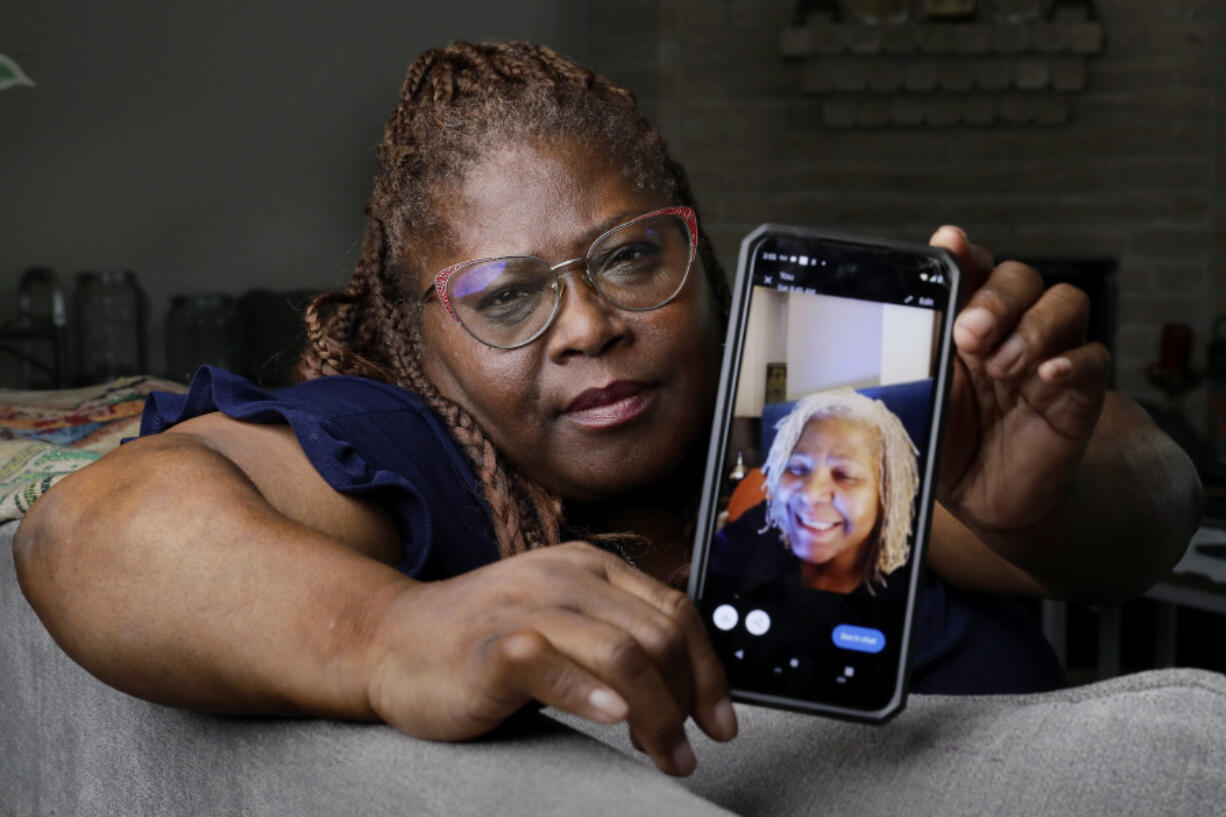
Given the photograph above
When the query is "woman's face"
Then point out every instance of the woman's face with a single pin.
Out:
(828, 490)
(606, 401)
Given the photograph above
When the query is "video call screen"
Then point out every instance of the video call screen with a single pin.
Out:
(810, 561)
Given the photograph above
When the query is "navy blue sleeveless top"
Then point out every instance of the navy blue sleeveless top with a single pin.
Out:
(380, 441)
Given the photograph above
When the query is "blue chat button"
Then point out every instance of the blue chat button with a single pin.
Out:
(860, 639)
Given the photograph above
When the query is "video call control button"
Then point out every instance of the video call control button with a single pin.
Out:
(860, 639)
(757, 622)
(725, 617)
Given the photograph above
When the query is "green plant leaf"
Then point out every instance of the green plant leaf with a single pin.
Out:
(11, 74)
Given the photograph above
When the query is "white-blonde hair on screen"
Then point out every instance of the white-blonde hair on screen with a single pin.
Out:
(899, 474)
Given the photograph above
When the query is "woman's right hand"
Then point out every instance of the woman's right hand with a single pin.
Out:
(570, 626)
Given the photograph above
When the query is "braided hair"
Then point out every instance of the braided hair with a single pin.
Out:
(456, 104)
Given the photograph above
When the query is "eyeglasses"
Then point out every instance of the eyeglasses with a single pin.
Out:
(510, 301)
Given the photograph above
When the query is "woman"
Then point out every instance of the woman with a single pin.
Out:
(246, 565)
(840, 487)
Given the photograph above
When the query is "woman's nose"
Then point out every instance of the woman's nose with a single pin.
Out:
(586, 323)
(819, 487)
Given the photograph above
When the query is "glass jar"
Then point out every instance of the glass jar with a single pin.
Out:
(42, 318)
(200, 330)
(110, 321)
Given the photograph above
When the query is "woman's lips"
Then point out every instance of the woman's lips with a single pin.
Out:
(617, 403)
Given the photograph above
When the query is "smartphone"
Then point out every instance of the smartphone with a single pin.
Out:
(817, 498)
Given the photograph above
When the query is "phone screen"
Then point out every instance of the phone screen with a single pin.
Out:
(818, 487)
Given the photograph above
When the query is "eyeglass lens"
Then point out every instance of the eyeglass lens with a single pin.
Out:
(509, 301)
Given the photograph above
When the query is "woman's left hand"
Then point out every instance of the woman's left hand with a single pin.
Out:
(1026, 393)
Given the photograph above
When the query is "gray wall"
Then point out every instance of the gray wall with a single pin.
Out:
(1137, 174)
(214, 146)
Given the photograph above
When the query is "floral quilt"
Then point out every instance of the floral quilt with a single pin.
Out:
(46, 435)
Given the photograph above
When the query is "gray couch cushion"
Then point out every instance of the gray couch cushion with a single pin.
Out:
(71, 745)
(1144, 744)
(1152, 743)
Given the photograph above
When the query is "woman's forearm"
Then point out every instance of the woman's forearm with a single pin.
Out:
(164, 572)
(1125, 519)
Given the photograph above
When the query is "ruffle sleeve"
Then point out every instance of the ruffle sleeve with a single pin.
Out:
(364, 438)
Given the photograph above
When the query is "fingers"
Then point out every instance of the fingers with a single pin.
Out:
(669, 627)
(1011, 325)
(712, 707)
(655, 716)
(976, 262)
(607, 642)
(995, 310)
(1070, 389)
(525, 665)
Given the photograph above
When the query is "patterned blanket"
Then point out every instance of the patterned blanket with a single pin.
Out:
(46, 435)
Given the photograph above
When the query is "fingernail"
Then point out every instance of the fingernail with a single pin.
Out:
(609, 703)
(1056, 368)
(956, 230)
(1009, 354)
(683, 758)
(725, 719)
(978, 321)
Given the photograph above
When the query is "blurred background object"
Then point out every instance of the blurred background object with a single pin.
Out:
(36, 341)
(109, 309)
(200, 330)
(1216, 371)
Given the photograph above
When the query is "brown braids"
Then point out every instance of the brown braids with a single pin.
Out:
(455, 104)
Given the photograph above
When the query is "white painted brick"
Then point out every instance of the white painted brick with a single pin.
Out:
(898, 39)
(885, 75)
(956, 74)
(908, 109)
(936, 38)
(973, 38)
(828, 38)
(1086, 38)
(979, 109)
(1010, 39)
(1067, 73)
(873, 112)
(1048, 37)
(994, 73)
(1033, 73)
(795, 41)
(920, 75)
(864, 39)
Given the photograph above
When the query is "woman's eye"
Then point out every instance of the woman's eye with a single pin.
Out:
(629, 259)
(507, 304)
(500, 298)
(506, 296)
(797, 468)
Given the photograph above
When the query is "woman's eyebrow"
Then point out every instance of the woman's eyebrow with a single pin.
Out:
(592, 233)
(609, 223)
(852, 457)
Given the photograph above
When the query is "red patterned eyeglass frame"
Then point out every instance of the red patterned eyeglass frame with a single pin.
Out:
(686, 214)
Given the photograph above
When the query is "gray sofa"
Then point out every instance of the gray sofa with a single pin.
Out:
(1147, 744)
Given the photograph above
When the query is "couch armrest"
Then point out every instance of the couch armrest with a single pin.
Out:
(69, 744)
(1151, 743)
